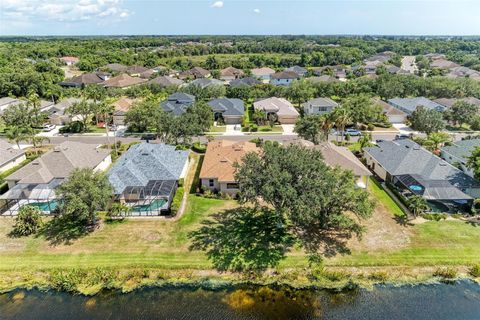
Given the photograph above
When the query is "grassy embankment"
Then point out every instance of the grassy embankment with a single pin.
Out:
(140, 252)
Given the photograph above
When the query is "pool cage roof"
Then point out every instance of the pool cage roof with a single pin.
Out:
(27, 191)
(153, 189)
(431, 189)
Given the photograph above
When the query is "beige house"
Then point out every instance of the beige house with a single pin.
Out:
(218, 171)
(231, 73)
(10, 157)
(35, 183)
(280, 107)
(121, 106)
(123, 81)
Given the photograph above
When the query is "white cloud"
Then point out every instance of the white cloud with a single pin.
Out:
(63, 10)
(217, 4)
(256, 10)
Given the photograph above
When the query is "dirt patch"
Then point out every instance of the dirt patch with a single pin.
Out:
(383, 233)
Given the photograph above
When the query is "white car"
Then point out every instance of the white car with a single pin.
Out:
(48, 127)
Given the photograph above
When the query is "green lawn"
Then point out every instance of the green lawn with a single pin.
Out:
(217, 129)
(380, 195)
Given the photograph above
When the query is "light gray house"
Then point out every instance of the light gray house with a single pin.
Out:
(247, 82)
(408, 105)
(301, 71)
(228, 111)
(319, 106)
(35, 183)
(412, 169)
(205, 82)
(165, 81)
(9, 156)
(281, 108)
(178, 103)
(457, 154)
(283, 78)
(263, 74)
(147, 176)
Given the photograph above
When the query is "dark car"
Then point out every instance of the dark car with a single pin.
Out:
(402, 136)
(149, 136)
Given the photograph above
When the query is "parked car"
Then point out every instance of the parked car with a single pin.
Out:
(148, 136)
(352, 132)
(48, 127)
(402, 136)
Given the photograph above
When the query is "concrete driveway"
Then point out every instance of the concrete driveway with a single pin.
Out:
(288, 129)
(404, 129)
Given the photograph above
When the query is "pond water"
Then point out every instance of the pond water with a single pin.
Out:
(444, 301)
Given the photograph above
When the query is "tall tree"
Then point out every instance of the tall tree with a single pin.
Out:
(297, 183)
(300, 91)
(343, 117)
(474, 162)
(462, 112)
(310, 128)
(16, 135)
(84, 109)
(426, 120)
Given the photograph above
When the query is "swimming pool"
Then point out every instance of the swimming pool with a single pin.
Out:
(152, 206)
(44, 206)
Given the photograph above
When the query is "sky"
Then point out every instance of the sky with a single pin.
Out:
(263, 17)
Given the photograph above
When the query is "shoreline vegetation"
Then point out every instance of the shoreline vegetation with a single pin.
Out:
(135, 253)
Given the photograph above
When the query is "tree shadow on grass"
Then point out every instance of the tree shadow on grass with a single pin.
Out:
(243, 239)
(61, 230)
(327, 243)
(403, 221)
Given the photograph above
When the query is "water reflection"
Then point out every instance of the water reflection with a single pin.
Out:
(441, 302)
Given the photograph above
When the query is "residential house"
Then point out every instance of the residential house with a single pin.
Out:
(136, 71)
(178, 103)
(231, 73)
(123, 81)
(116, 67)
(121, 107)
(148, 74)
(10, 157)
(35, 183)
(195, 73)
(247, 82)
(336, 156)
(166, 81)
(283, 78)
(449, 102)
(263, 74)
(281, 108)
(58, 115)
(393, 114)
(85, 79)
(458, 152)
(443, 64)
(69, 60)
(227, 111)
(408, 105)
(463, 72)
(204, 83)
(411, 169)
(147, 176)
(319, 106)
(322, 78)
(218, 167)
(338, 71)
(435, 56)
(301, 71)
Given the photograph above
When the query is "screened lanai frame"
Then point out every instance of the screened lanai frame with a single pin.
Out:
(154, 199)
(41, 196)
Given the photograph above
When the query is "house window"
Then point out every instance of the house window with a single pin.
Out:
(211, 183)
(232, 185)
(322, 109)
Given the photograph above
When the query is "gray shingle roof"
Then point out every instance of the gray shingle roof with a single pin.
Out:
(204, 82)
(228, 107)
(298, 70)
(249, 81)
(402, 157)
(177, 103)
(462, 149)
(8, 153)
(166, 81)
(146, 162)
(410, 104)
(322, 102)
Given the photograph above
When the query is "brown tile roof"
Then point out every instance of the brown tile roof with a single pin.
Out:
(388, 109)
(231, 72)
(122, 81)
(122, 105)
(220, 157)
(136, 69)
(60, 162)
(262, 71)
(336, 156)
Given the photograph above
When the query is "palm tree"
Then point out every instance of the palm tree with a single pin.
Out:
(342, 118)
(436, 140)
(33, 100)
(417, 204)
(326, 122)
(365, 141)
(105, 108)
(16, 134)
(96, 94)
(37, 140)
(259, 116)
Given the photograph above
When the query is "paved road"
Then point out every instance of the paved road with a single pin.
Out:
(102, 140)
